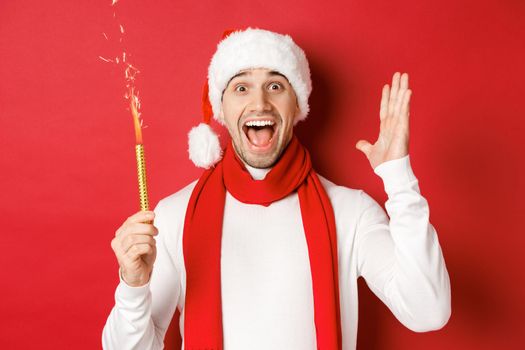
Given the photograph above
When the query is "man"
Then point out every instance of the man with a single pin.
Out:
(263, 253)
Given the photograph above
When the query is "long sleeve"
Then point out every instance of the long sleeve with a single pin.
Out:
(401, 258)
(141, 315)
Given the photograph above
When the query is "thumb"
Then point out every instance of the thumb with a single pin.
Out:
(364, 146)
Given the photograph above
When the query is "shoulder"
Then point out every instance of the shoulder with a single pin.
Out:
(176, 201)
(340, 195)
(171, 211)
(350, 201)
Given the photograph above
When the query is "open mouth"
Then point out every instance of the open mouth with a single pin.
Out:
(259, 133)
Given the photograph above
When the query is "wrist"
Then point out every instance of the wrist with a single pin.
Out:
(131, 281)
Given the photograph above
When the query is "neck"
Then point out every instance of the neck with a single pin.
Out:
(257, 173)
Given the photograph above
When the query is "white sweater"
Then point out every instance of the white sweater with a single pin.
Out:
(267, 300)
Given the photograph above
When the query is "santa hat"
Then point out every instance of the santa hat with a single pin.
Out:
(239, 50)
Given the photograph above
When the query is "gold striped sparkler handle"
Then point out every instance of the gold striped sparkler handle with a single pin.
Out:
(141, 172)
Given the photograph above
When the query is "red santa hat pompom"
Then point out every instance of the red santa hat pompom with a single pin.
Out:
(239, 50)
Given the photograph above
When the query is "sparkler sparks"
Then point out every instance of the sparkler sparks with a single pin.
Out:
(134, 105)
(134, 102)
(105, 59)
(130, 72)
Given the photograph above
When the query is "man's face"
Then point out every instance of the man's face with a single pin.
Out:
(258, 108)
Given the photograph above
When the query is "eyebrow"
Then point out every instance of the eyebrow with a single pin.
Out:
(270, 73)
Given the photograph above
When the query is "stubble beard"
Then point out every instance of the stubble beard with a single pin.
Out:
(259, 161)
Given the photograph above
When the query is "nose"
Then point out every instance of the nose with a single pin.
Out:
(260, 102)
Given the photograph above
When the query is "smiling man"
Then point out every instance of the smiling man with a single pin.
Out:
(261, 252)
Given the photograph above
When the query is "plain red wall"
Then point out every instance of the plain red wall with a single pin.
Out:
(67, 154)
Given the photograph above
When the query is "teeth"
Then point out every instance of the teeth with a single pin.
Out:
(259, 123)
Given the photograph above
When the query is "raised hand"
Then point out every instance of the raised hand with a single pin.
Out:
(392, 142)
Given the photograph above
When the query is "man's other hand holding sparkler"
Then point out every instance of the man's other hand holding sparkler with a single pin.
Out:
(135, 248)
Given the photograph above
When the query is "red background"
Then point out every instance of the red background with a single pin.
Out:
(67, 150)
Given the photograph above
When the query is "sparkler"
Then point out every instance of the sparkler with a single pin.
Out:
(134, 106)
(132, 95)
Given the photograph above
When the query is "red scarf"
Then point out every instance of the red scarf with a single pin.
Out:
(203, 232)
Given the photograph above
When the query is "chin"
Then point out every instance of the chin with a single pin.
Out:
(261, 159)
(260, 163)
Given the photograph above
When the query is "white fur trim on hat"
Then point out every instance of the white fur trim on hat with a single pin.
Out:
(259, 48)
(203, 146)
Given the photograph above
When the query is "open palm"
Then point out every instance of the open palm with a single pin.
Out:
(392, 142)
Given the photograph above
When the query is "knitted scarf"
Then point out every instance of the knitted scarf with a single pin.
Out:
(203, 232)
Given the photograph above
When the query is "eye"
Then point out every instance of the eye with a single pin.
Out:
(240, 88)
(275, 86)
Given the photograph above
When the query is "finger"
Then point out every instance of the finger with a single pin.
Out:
(364, 146)
(137, 250)
(122, 244)
(132, 240)
(399, 102)
(403, 86)
(393, 92)
(383, 110)
(141, 216)
(404, 81)
(405, 109)
(137, 228)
